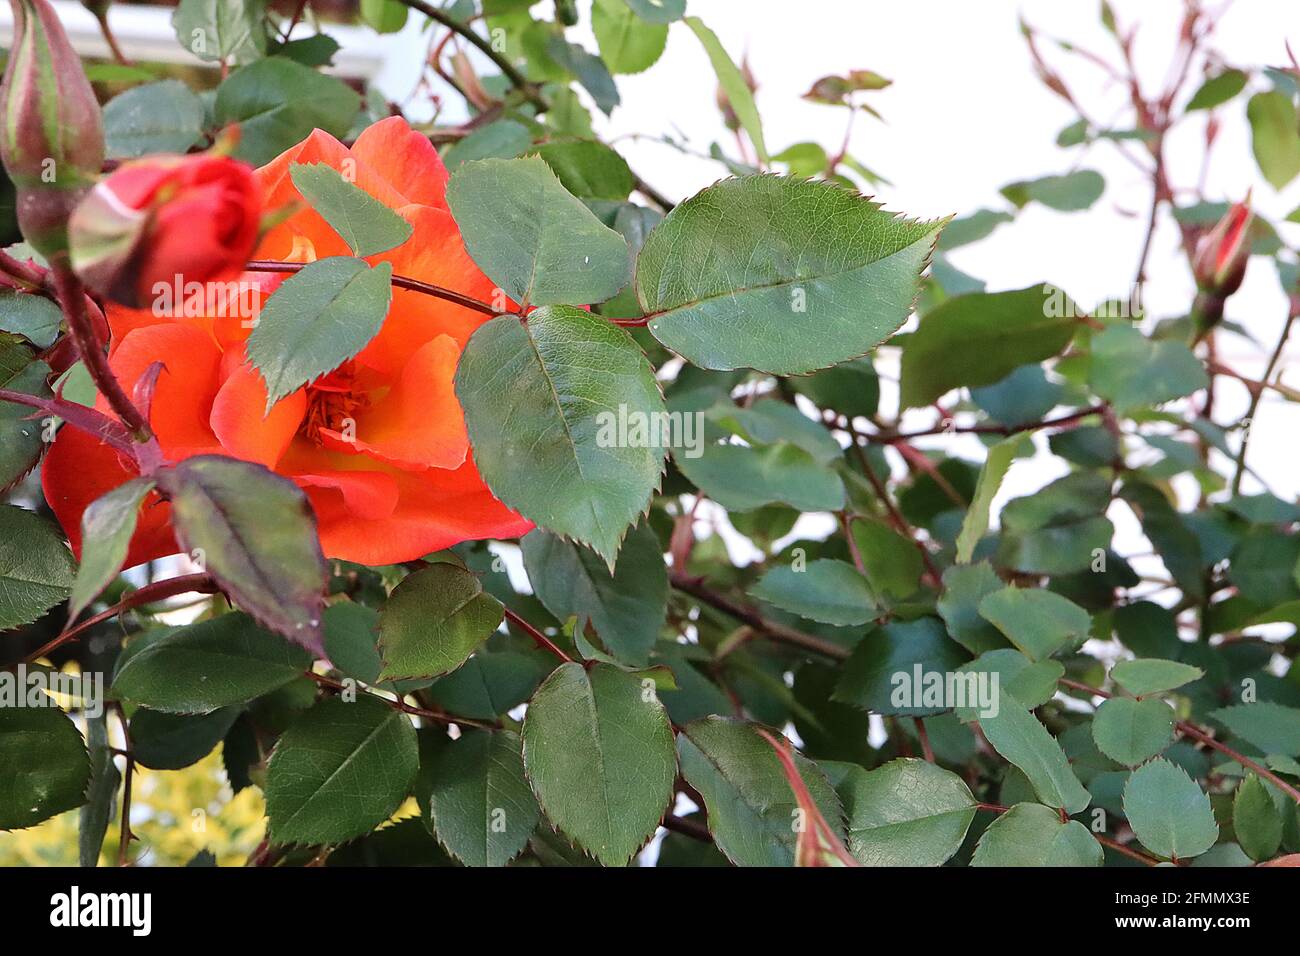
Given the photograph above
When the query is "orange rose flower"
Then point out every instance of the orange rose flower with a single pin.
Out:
(378, 445)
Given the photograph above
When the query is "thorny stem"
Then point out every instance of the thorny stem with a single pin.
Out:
(398, 704)
(72, 296)
(148, 594)
(1256, 394)
(540, 639)
(125, 836)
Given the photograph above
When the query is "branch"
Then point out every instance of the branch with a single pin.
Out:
(1006, 430)
(697, 589)
(399, 704)
(540, 639)
(1256, 394)
(402, 282)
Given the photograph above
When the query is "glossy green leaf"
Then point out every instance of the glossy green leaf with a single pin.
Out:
(628, 44)
(598, 750)
(318, 319)
(1255, 820)
(553, 392)
(32, 316)
(532, 237)
(106, 528)
(978, 339)
(1217, 90)
(779, 274)
(1018, 736)
(1070, 192)
(212, 664)
(742, 478)
(1038, 622)
(906, 813)
(480, 806)
(433, 621)
(277, 103)
(1131, 371)
(1170, 814)
(1147, 676)
(733, 85)
(1033, 835)
(828, 591)
(21, 434)
(658, 11)
(222, 30)
(384, 16)
(881, 673)
(162, 117)
(1132, 731)
(256, 534)
(162, 741)
(976, 521)
(963, 589)
(588, 169)
(1032, 683)
(363, 222)
(36, 570)
(1272, 728)
(339, 771)
(626, 608)
(46, 769)
(752, 810)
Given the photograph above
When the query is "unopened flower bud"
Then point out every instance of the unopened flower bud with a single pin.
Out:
(1221, 257)
(165, 219)
(51, 134)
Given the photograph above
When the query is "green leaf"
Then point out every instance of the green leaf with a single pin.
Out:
(21, 435)
(906, 813)
(351, 640)
(1032, 683)
(1146, 676)
(489, 685)
(980, 338)
(101, 793)
(628, 44)
(963, 589)
(480, 806)
(256, 534)
(892, 562)
(781, 275)
(318, 319)
(627, 608)
(852, 388)
(162, 117)
(1132, 731)
(1217, 90)
(658, 11)
(175, 741)
(873, 677)
(752, 810)
(770, 420)
(46, 769)
(532, 237)
(828, 591)
(1017, 735)
(433, 621)
(212, 664)
(588, 169)
(589, 70)
(36, 570)
(504, 139)
(598, 750)
(364, 223)
(1275, 134)
(32, 316)
(1036, 621)
(1273, 728)
(978, 225)
(222, 30)
(1255, 820)
(733, 85)
(1032, 835)
(384, 16)
(995, 469)
(545, 392)
(1170, 814)
(106, 528)
(339, 771)
(277, 103)
(742, 478)
(1070, 192)
(1130, 371)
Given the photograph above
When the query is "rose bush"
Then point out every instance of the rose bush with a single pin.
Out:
(378, 444)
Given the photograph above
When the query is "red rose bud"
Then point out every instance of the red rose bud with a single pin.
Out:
(165, 222)
(51, 134)
(1221, 257)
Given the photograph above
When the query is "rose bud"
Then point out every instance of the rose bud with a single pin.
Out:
(1221, 256)
(51, 134)
(163, 222)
